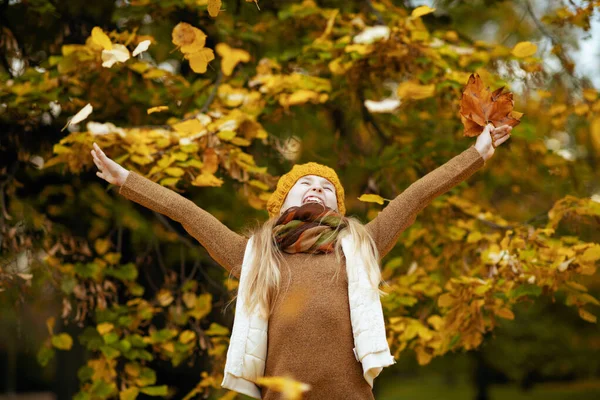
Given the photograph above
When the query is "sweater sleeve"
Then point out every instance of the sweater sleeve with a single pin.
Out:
(224, 246)
(401, 212)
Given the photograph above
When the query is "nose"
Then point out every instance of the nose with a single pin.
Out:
(317, 189)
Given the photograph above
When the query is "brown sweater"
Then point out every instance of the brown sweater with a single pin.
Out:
(310, 333)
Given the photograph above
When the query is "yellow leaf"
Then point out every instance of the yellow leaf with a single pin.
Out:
(214, 6)
(62, 341)
(359, 48)
(446, 300)
(524, 49)
(258, 184)
(420, 11)
(50, 325)
(371, 198)
(189, 126)
(410, 90)
(141, 47)
(188, 38)
(504, 313)
(576, 286)
(423, 357)
(129, 393)
(226, 135)
(104, 328)
(101, 246)
(175, 171)
(100, 38)
(189, 299)
(187, 336)
(590, 94)
(581, 109)
(207, 179)
(119, 53)
(591, 254)
(231, 57)
(80, 116)
(587, 316)
(290, 388)
(157, 109)
(200, 59)
(164, 297)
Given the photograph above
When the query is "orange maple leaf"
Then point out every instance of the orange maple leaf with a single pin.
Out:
(478, 107)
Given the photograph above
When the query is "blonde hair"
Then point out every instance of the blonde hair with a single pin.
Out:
(264, 280)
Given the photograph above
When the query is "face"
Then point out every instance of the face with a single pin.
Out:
(311, 185)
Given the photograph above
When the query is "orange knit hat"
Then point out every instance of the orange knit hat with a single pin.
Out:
(287, 181)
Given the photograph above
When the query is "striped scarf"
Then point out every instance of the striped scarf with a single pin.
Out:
(309, 228)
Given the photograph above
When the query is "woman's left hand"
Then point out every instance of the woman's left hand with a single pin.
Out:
(491, 138)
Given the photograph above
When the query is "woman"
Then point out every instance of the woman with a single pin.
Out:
(296, 278)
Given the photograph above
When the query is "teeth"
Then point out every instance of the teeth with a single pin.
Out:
(314, 200)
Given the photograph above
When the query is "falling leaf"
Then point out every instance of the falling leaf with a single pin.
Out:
(157, 109)
(101, 39)
(372, 34)
(80, 116)
(410, 90)
(119, 53)
(524, 49)
(479, 107)
(371, 198)
(290, 388)
(382, 106)
(141, 47)
(231, 57)
(200, 59)
(422, 10)
(214, 6)
(188, 38)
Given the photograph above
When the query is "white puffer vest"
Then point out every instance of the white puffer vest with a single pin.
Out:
(247, 352)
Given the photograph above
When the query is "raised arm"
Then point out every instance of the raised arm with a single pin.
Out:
(224, 245)
(401, 212)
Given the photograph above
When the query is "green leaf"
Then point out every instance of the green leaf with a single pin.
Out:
(62, 341)
(110, 337)
(44, 355)
(155, 390)
(87, 270)
(216, 329)
(525, 290)
(110, 352)
(126, 272)
(85, 373)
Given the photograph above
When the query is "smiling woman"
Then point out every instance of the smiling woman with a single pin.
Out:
(309, 276)
(311, 188)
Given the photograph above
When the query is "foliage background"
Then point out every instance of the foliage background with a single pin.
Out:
(493, 288)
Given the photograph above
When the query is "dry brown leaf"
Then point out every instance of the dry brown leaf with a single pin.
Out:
(479, 107)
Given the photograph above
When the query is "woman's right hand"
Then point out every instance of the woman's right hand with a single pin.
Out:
(109, 170)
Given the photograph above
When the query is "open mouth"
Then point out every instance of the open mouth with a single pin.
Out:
(313, 199)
